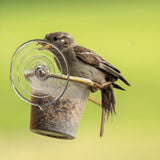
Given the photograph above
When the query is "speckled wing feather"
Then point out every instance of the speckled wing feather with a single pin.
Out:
(93, 59)
(87, 56)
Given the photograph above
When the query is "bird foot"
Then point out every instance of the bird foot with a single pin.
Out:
(101, 86)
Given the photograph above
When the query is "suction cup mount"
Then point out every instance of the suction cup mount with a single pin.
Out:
(33, 73)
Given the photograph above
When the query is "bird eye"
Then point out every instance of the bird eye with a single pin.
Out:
(55, 38)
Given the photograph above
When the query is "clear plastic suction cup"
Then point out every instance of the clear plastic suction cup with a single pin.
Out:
(36, 72)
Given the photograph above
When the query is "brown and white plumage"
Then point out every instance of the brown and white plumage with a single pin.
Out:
(87, 64)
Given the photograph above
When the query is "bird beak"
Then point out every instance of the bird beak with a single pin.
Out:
(45, 45)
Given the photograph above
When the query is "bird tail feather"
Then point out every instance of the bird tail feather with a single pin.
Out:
(108, 105)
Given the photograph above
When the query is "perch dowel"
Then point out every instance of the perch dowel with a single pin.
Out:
(94, 100)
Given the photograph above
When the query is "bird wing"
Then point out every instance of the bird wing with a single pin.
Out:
(93, 59)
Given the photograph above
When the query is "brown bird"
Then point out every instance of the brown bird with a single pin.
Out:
(87, 64)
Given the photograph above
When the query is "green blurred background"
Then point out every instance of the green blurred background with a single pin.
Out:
(127, 34)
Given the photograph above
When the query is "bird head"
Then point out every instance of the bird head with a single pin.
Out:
(61, 40)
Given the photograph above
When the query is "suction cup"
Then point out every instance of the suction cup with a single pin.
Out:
(30, 72)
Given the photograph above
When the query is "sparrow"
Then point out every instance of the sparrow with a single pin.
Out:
(86, 63)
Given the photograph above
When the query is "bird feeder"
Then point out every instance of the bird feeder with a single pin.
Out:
(41, 78)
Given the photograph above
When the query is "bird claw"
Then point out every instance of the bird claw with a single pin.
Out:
(101, 86)
(93, 89)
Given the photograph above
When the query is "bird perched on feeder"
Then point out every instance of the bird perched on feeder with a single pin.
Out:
(87, 64)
